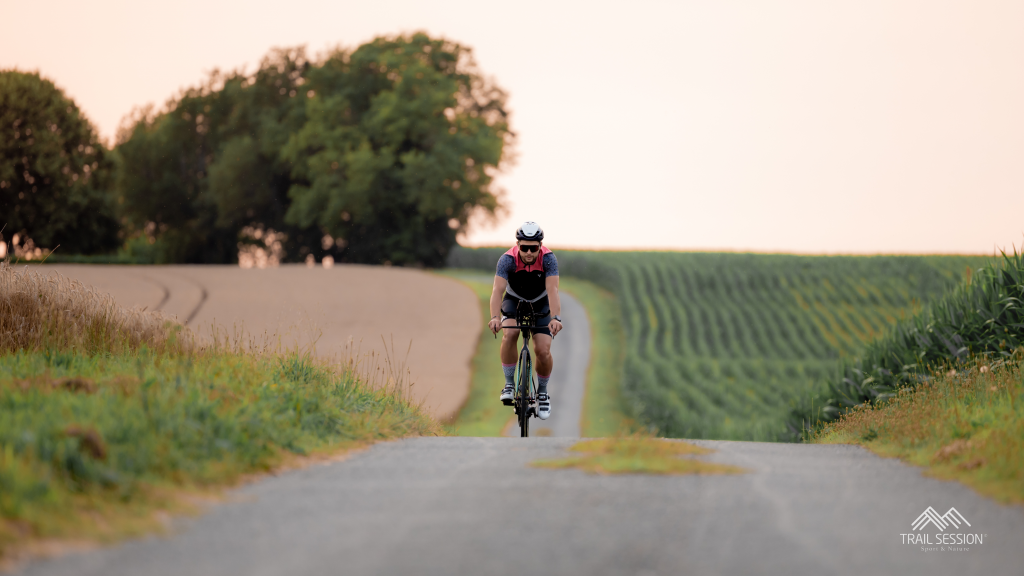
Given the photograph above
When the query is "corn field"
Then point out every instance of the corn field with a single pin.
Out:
(981, 317)
(729, 345)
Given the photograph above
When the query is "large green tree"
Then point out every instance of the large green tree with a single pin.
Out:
(377, 155)
(193, 177)
(54, 171)
(399, 148)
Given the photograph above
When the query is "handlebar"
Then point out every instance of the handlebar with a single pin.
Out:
(520, 328)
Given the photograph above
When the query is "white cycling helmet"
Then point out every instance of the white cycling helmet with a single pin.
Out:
(530, 231)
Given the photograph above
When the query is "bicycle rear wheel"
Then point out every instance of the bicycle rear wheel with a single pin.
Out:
(523, 397)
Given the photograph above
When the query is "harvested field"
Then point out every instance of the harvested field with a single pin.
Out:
(438, 316)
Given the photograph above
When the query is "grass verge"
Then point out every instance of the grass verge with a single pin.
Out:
(965, 424)
(111, 417)
(983, 316)
(482, 414)
(638, 455)
(602, 402)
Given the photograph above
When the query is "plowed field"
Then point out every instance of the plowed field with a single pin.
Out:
(366, 305)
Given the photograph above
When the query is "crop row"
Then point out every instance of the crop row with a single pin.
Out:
(981, 317)
(725, 345)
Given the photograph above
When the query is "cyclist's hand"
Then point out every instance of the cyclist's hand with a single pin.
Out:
(555, 327)
(495, 324)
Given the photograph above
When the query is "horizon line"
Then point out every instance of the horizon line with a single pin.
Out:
(995, 252)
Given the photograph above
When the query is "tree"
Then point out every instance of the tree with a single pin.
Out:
(54, 172)
(194, 177)
(399, 148)
(378, 155)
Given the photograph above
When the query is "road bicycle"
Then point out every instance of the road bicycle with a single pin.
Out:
(526, 384)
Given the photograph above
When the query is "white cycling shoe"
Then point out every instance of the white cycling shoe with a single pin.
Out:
(543, 406)
(506, 395)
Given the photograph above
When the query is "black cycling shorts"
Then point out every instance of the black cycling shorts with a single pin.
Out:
(542, 312)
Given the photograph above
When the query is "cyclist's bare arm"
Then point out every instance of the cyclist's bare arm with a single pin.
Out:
(554, 302)
(497, 293)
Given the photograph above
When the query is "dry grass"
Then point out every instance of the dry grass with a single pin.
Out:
(639, 455)
(56, 313)
(966, 423)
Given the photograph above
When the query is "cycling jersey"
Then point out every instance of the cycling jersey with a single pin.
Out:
(527, 281)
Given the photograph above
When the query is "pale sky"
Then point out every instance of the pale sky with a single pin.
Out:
(881, 126)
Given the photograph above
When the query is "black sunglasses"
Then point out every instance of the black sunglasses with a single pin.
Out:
(529, 247)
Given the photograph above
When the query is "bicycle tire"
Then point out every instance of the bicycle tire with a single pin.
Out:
(524, 393)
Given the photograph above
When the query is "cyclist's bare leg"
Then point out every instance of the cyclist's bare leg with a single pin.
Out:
(509, 343)
(542, 349)
(545, 363)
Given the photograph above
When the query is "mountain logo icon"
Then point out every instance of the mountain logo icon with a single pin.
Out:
(930, 516)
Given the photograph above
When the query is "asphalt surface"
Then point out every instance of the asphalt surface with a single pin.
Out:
(571, 350)
(474, 506)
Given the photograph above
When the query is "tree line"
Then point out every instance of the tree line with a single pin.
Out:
(375, 155)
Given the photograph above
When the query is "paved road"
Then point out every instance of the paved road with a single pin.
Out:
(571, 349)
(473, 506)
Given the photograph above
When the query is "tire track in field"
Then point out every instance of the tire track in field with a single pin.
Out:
(167, 292)
(203, 295)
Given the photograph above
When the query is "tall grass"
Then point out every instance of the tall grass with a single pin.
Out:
(104, 410)
(982, 317)
(53, 312)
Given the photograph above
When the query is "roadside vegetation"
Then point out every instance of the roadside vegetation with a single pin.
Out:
(965, 423)
(982, 317)
(728, 345)
(638, 454)
(602, 403)
(941, 389)
(109, 416)
(482, 414)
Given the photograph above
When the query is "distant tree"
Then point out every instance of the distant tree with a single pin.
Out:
(378, 155)
(54, 171)
(194, 177)
(399, 148)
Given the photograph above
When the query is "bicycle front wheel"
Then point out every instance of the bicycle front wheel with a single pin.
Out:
(526, 364)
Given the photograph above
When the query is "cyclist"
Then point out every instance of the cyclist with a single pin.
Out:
(527, 275)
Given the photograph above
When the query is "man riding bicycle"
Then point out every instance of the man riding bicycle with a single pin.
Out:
(527, 275)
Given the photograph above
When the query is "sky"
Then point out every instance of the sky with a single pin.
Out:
(868, 126)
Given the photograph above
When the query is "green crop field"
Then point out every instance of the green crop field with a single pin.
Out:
(724, 345)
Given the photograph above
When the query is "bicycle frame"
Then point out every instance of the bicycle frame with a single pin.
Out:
(526, 385)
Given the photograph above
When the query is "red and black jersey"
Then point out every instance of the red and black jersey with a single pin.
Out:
(527, 281)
